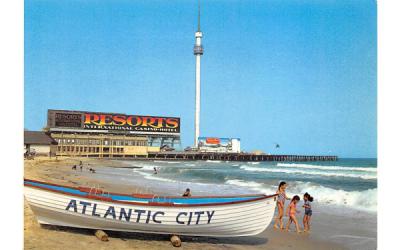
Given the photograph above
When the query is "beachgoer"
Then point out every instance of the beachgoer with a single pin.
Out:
(291, 212)
(80, 167)
(307, 211)
(155, 170)
(187, 193)
(281, 203)
(74, 167)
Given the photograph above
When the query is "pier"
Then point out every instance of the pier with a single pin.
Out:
(170, 156)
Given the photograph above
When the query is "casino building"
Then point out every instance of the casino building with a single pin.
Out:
(94, 134)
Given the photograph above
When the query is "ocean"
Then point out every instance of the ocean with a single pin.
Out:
(346, 183)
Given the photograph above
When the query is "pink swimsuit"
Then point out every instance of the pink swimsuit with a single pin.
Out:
(292, 209)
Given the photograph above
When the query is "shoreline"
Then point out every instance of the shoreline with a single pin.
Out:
(59, 172)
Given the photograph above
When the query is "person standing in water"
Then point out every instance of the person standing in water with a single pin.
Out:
(291, 210)
(281, 204)
(307, 211)
(187, 193)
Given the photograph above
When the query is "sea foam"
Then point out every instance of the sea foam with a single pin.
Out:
(362, 200)
(322, 167)
(367, 176)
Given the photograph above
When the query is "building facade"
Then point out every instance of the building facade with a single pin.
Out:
(39, 143)
(94, 134)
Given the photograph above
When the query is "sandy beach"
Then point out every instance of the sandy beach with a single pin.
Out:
(328, 231)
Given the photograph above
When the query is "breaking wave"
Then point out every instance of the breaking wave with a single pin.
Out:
(340, 168)
(367, 176)
(363, 200)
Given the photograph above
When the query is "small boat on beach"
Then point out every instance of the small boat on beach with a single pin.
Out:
(216, 216)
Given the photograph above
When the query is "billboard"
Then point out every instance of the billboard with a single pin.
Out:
(112, 121)
(216, 144)
(213, 140)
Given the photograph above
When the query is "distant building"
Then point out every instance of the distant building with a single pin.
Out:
(94, 134)
(215, 144)
(39, 143)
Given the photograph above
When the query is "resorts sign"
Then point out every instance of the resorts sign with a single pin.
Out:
(110, 121)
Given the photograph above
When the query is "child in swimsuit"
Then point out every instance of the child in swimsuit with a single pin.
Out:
(281, 203)
(307, 211)
(291, 210)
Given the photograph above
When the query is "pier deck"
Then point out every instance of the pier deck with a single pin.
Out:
(236, 157)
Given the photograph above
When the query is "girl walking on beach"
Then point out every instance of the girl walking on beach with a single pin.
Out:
(291, 210)
(307, 211)
(281, 203)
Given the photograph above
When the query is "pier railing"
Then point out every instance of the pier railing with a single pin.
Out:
(237, 157)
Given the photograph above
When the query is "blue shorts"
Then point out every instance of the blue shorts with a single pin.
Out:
(308, 212)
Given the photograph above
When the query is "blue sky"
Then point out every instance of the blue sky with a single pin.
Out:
(298, 73)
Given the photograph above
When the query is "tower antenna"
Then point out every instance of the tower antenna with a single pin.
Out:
(198, 17)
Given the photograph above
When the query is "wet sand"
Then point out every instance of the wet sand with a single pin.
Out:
(52, 237)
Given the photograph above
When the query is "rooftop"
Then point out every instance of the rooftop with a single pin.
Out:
(38, 137)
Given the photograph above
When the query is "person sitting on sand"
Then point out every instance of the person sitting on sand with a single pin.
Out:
(187, 193)
(291, 211)
(74, 167)
(281, 203)
(307, 211)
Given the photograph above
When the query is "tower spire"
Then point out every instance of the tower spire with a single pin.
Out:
(198, 17)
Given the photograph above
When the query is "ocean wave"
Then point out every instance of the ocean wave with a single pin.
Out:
(190, 164)
(253, 162)
(362, 200)
(250, 184)
(147, 167)
(321, 167)
(308, 172)
(156, 177)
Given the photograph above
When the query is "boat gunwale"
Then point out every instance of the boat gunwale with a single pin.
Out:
(150, 203)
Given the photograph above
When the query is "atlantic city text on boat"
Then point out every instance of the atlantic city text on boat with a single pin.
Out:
(139, 215)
